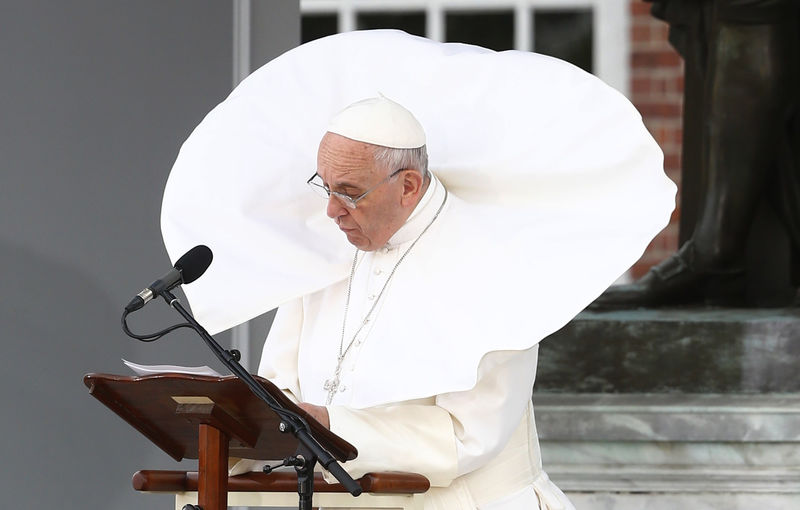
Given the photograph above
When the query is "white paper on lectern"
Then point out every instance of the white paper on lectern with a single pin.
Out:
(143, 370)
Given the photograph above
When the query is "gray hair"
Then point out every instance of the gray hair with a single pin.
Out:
(395, 159)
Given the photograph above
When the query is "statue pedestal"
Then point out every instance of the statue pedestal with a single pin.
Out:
(674, 350)
(675, 408)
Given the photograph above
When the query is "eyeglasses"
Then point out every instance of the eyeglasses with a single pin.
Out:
(322, 190)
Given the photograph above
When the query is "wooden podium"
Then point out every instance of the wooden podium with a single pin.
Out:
(212, 418)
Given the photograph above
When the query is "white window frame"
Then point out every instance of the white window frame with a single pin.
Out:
(611, 43)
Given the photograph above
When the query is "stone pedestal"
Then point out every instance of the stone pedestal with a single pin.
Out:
(695, 409)
(675, 350)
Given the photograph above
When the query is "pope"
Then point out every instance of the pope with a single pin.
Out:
(476, 446)
(411, 303)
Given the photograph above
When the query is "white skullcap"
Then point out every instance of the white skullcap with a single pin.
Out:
(379, 121)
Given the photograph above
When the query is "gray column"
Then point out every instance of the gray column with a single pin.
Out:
(96, 97)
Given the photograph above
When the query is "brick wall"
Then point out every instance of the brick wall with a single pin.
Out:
(657, 91)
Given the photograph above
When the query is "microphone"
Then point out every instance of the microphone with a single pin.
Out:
(187, 269)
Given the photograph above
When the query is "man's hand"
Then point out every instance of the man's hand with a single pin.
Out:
(319, 413)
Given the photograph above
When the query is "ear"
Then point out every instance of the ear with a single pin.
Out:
(413, 183)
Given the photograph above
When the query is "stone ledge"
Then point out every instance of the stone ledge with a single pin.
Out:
(675, 479)
(681, 444)
(668, 417)
(691, 501)
(686, 350)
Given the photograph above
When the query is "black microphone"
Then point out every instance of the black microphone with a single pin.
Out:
(187, 269)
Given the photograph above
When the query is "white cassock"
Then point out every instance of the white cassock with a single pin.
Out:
(555, 189)
(477, 446)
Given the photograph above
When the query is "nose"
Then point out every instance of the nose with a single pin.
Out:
(335, 207)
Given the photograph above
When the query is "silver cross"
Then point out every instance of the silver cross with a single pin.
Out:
(332, 385)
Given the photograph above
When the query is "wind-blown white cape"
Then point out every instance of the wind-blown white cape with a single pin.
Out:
(562, 183)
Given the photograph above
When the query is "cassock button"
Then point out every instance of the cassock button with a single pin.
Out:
(371, 297)
(378, 270)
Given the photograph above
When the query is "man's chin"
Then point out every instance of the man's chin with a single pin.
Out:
(357, 240)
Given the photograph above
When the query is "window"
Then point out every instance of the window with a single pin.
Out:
(490, 29)
(592, 34)
(566, 34)
(316, 26)
(411, 21)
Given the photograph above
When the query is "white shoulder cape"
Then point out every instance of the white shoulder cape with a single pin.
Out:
(561, 184)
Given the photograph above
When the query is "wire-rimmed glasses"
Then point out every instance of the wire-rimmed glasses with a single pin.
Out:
(322, 190)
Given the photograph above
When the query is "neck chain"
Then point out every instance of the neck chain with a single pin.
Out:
(333, 385)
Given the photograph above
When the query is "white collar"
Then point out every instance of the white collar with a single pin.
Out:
(421, 216)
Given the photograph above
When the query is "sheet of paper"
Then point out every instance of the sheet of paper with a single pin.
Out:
(175, 369)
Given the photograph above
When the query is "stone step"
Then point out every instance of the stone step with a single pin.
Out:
(668, 417)
(690, 350)
(680, 444)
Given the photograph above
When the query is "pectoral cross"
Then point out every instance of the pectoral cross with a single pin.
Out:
(333, 385)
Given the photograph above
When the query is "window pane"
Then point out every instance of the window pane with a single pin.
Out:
(411, 22)
(491, 29)
(565, 34)
(314, 26)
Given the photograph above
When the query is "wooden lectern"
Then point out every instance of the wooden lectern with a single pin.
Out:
(212, 418)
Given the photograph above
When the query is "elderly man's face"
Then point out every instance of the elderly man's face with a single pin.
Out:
(348, 166)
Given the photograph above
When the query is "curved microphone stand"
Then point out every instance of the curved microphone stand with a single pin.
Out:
(309, 451)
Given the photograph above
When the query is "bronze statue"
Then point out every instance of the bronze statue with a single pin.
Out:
(741, 145)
